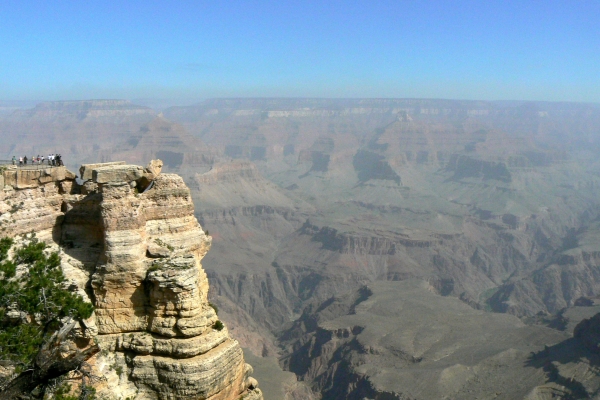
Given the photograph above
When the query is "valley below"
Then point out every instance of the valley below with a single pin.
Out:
(378, 248)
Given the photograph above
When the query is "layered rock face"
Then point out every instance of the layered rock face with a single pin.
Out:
(179, 150)
(137, 256)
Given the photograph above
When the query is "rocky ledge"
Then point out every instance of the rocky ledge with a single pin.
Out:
(130, 242)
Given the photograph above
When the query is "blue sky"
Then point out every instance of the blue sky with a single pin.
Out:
(489, 50)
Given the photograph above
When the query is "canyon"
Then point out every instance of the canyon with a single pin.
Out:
(337, 223)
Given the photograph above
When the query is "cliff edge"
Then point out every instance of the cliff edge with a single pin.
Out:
(130, 243)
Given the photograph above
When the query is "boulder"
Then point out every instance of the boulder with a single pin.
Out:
(152, 170)
(154, 167)
(157, 251)
(85, 171)
(10, 177)
(31, 178)
(70, 175)
(117, 173)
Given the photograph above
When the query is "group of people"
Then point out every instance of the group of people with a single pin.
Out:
(53, 160)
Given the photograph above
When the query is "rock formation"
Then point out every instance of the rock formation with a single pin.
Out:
(130, 242)
(493, 203)
(400, 340)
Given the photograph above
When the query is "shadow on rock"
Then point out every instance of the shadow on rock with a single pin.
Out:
(574, 364)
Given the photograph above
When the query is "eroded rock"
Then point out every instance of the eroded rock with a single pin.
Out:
(140, 253)
(85, 171)
(117, 173)
(154, 167)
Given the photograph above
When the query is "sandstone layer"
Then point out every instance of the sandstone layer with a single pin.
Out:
(130, 243)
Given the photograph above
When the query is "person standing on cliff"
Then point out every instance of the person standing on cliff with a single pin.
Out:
(14, 160)
(25, 160)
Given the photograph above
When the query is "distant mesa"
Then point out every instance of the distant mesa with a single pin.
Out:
(85, 109)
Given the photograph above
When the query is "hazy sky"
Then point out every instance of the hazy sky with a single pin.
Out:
(523, 50)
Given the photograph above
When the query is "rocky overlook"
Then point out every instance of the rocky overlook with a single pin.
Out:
(131, 245)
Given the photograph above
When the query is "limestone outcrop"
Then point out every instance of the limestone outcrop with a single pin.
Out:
(130, 242)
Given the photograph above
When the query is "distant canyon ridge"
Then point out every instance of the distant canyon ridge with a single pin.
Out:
(350, 234)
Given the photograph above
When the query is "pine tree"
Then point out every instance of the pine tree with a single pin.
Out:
(37, 314)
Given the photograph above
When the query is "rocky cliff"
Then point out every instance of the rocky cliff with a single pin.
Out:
(130, 243)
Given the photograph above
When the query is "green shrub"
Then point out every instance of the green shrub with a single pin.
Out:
(218, 325)
(14, 208)
(40, 296)
(5, 245)
(65, 392)
(163, 244)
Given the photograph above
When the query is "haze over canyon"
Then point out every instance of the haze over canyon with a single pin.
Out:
(371, 248)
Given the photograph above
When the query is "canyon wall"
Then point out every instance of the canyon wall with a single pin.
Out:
(130, 244)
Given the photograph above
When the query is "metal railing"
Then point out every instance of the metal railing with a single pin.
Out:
(29, 165)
